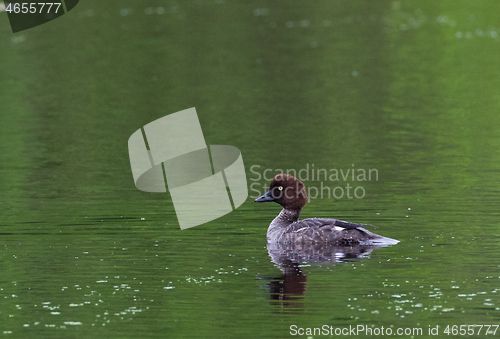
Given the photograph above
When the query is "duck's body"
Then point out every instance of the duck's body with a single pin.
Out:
(286, 228)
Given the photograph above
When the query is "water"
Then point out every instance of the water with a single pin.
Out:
(408, 89)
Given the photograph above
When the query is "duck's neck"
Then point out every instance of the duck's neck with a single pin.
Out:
(281, 222)
(287, 216)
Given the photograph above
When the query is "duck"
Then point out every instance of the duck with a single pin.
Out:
(286, 228)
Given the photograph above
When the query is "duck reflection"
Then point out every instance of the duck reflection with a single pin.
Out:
(289, 288)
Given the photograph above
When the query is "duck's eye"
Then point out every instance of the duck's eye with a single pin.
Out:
(280, 188)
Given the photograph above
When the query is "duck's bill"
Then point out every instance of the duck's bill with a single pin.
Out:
(266, 197)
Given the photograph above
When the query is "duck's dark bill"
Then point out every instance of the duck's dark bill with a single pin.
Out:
(265, 197)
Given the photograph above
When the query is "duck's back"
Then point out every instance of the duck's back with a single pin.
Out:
(330, 231)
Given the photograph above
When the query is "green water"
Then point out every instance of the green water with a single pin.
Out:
(407, 88)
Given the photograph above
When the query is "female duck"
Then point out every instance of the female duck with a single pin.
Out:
(290, 193)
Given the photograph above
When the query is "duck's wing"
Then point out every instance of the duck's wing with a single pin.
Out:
(348, 225)
(323, 230)
(339, 225)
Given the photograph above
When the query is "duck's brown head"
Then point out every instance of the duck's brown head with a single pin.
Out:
(287, 191)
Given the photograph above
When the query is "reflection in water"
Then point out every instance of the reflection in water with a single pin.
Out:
(289, 288)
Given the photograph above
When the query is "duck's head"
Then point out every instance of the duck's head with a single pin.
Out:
(287, 191)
